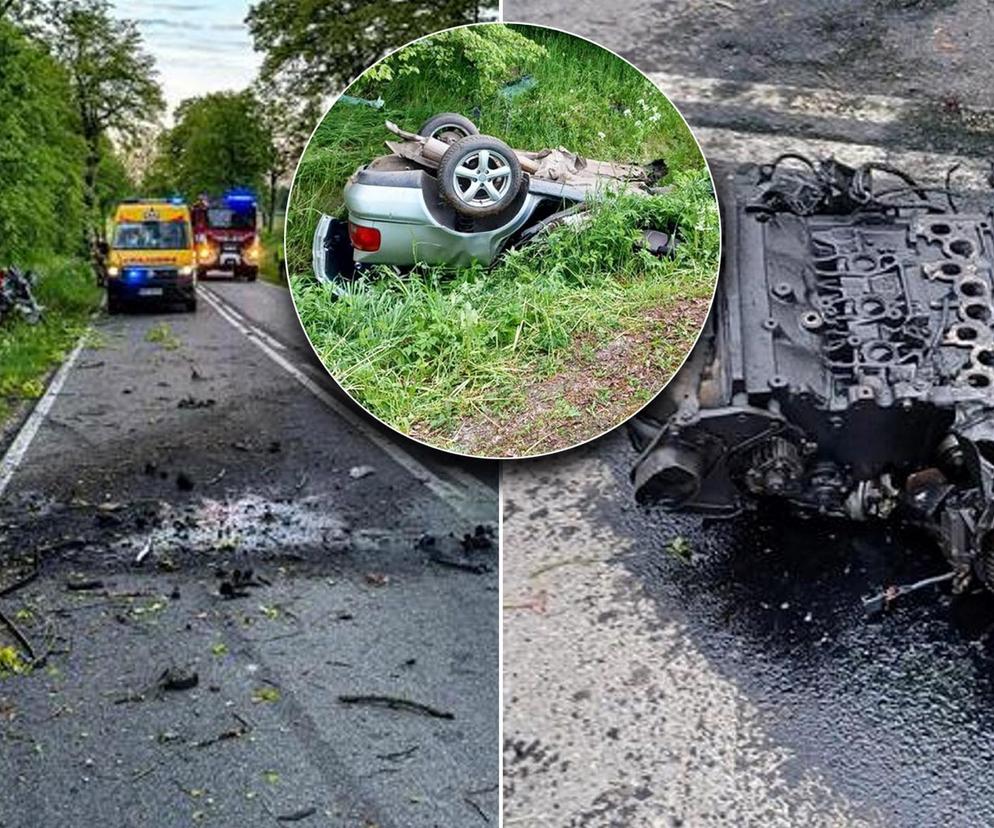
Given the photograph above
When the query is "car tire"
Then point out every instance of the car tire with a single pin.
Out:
(251, 273)
(191, 304)
(451, 125)
(114, 304)
(469, 196)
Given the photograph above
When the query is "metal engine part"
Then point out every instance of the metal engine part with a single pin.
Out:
(848, 363)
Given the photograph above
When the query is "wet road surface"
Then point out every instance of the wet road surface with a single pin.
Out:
(349, 679)
(660, 670)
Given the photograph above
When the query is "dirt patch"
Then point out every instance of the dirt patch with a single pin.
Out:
(601, 385)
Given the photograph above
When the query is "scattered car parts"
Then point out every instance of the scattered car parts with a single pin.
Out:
(17, 295)
(848, 363)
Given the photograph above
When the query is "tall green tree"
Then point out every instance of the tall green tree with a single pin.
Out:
(114, 86)
(318, 46)
(218, 141)
(288, 121)
(41, 153)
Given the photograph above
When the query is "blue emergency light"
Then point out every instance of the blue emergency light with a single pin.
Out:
(239, 198)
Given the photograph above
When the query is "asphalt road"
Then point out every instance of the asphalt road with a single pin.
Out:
(182, 448)
(746, 687)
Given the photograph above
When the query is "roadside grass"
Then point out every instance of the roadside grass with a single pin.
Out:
(479, 359)
(271, 265)
(67, 290)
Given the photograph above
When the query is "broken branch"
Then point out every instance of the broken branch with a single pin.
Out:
(398, 703)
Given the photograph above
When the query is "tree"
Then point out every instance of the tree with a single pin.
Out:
(114, 182)
(288, 121)
(319, 46)
(113, 80)
(219, 141)
(41, 154)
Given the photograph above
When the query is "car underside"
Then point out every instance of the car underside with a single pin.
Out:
(848, 363)
(450, 196)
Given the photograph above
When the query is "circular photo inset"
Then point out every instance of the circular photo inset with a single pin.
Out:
(502, 241)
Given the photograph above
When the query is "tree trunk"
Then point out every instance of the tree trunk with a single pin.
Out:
(91, 230)
(273, 180)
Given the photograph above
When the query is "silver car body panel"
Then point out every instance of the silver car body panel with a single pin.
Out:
(391, 198)
(410, 233)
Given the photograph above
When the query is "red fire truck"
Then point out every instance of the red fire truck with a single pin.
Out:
(226, 233)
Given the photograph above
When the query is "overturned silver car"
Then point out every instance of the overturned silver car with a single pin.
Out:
(448, 195)
(848, 364)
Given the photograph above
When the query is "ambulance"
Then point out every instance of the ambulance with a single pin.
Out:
(150, 255)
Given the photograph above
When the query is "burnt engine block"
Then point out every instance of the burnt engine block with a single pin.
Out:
(848, 363)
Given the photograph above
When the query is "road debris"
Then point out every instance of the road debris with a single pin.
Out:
(454, 553)
(297, 816)
(16, 294)
(73, 585)
(397, 703)
(162, 334)
(876, 604)
(170, 680)
(265, 695)
(238, 584)
(190, 401)
(243, 728)
(143, 552)
(359, 472)
(398, 754)
(19, 636)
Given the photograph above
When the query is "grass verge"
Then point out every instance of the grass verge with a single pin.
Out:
(557, 341)
(67, 290)
(271, 265)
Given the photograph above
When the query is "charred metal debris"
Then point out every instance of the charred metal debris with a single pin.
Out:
(848, 363)
(17, 295)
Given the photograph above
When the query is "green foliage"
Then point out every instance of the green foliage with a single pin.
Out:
(113, 81)
(113, 181)
(434, 349)
(66, 288)
(113, 77)
(41, 155)
(218, 141)
(162, 334)
(11, 662)
(320, 45)
(425, 350)
(584, 98)
(476, 59)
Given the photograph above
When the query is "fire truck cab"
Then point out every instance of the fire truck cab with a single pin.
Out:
(226, 234)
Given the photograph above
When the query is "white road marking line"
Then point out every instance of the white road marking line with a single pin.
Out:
(463, 477)
(15, 454)
(466, 501)
(257, 331)
(731, 145)
(782, 98)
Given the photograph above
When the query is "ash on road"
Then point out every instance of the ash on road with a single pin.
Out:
(661, 671)
(197, 506)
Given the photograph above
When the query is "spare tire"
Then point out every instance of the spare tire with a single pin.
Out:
(479, 176)
(448, 127)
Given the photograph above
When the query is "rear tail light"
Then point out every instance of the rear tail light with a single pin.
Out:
(364, 238)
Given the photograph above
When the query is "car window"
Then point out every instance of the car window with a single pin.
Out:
(224, 218)
(150, 235)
